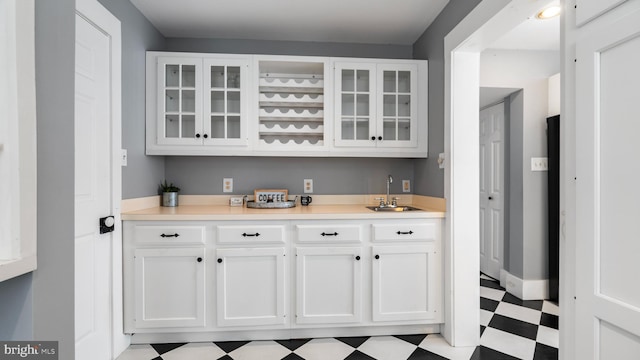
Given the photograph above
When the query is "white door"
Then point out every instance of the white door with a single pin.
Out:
(491, 190)
(607, 195)
(329, 285)
(250, 286)
(98, 320)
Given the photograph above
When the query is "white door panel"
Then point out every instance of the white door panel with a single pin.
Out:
(587, 10)
(608, 299)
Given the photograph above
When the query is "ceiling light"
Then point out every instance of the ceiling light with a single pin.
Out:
(549, 12)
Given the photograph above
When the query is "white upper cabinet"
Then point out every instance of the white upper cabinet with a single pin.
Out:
(376, 105)
(260, 105)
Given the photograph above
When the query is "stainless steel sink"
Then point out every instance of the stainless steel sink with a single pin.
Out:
(393, 209)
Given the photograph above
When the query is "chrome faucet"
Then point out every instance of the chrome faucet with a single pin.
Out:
(387, 203)
(389, 181)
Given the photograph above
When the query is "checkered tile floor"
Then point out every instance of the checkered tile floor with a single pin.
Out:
(510, 328)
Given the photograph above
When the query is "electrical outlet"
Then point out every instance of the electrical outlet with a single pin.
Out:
(123, 157)
(406, 186)
(539, 164)
(441, 160)
(227, 185)
(308, 186)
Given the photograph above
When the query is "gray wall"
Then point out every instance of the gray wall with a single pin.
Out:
(289, 48)
(429, 179)
(143, 172)
(53, 281)
(203, 175)
(16, 311)
(513, 249)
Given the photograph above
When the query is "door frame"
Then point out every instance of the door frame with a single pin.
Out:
(463, 45)
(102, 19)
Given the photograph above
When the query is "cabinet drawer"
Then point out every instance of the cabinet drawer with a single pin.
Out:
(351, 233)
(251, 234)
(169, 235)
(423, 231)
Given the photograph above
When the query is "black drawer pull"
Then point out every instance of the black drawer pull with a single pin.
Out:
(358, 257)
(219, 261)
(199, 259)
(405, 232)
(245, 234)
(170, 235)
(377, 257)
(329, 234)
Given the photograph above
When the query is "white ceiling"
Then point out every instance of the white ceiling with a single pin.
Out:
(532, 34)
(398, 22)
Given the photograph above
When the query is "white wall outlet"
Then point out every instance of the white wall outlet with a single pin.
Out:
(123, 157)
(227, 185)
(539, 164)
(308, 186)
(406, 186)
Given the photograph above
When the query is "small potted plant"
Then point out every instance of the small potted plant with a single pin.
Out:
(169, 194)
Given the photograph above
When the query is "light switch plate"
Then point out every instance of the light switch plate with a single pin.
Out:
(539, 164)
(406, 186)
(227, 185)
(308, 186)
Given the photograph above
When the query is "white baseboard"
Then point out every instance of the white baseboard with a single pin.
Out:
(524, 289)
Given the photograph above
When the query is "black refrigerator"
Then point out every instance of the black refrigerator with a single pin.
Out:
(553, 153)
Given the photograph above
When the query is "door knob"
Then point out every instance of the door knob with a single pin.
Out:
(490, 198)
(107, 224)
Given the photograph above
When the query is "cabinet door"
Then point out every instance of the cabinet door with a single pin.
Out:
(251, 286)
(397, 110)
(169, 287)
(328, 285)
(226, 85)
(355, 104)
(405, 283)
(179, 82)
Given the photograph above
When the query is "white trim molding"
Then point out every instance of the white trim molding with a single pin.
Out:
(524, 289)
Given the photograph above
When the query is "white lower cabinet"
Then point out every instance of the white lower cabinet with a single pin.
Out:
(250, 286)
(328, 285)
(169, 287)
(404, 283)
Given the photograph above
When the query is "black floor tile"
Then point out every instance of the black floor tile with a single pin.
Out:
(549, 320)
(422, 354)
(354, 342)
(163, 348)
(229, 346)
(292, 356)
(514, 326)
(482, 330)
(531, 304)
(544, 352)
(485, 353)
(226, 357)
(357, 355)
(491, 284)
(157, 358)
(293, 344)
(488, 304)
(413, 339)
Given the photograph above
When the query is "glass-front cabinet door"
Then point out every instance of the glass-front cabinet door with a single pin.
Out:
(179, 101)
(397, 105)
(355, 122)
(225, 101)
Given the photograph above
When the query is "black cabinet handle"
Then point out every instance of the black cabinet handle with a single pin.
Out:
(206, 136)
(377, 257)
(329, 234)
(490, 198)
(379, 137)
(170, 235)
(245, 234)
(373, 138)
(219, 261)
(405, 232)
(358, 257)
(199, 259)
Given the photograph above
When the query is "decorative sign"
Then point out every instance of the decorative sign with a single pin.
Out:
(270, 195)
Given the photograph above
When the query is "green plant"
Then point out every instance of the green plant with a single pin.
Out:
(168, 187)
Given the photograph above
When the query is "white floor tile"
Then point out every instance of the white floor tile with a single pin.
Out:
(519, 312)
(509, 344)
(485, 317)
(260, 350)
(550, 308)
(548, 336)
(195, 351)
(324, 349)
(493, 294)
(138, 352)
(387, 348)
(483, 276)
(438, 345)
